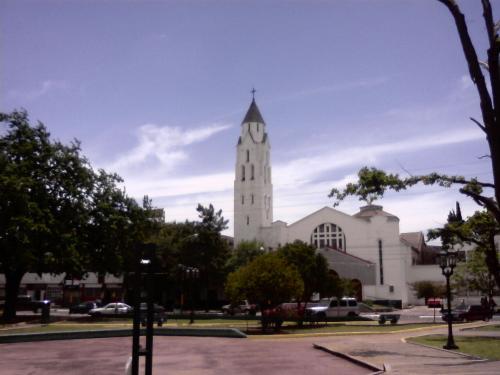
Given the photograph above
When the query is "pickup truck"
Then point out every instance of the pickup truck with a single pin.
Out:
(332, 308)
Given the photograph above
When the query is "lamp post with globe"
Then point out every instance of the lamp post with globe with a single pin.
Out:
(447, 262)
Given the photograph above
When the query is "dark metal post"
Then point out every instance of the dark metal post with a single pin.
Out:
(450, 344)
(136, 332)
(447, 262)
(149, 321)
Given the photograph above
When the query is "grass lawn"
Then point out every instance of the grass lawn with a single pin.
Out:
(484, 347)
(353, 328)
(252, 325)
(493, 327)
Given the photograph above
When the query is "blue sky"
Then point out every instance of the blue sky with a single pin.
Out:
(156, 91)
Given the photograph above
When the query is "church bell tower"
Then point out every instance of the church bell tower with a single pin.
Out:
(253, 189)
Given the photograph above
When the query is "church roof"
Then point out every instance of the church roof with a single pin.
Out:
(414, 239)
(253, 114)
(374, 210)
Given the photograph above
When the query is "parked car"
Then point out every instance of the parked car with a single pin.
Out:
(115, 308)
(83, 308)
(25, 303)
(470, 313)
(159, 314)
(332, 307)
(272, 317)
(435, 303)
(243, 307)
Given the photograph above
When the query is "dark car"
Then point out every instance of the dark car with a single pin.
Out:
(82, 308)
(24, 303)
(159, 314)
(468, 314)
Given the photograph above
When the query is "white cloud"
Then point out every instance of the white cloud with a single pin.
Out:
(44, 88)
(301, 170)
(296, 189)
(164, 144)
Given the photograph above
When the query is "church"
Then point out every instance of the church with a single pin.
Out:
(366, 247)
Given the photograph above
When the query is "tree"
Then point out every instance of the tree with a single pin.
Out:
(473, 274)
(207, 250)
(267, 280)
(428, 289)
(312, 267)
(244, 253)
(479, 230)
(373, 183)
(56, 214)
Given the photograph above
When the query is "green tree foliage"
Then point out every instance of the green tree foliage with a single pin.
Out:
(479, 230)
(267, 280)
(428, 289)
(56, 214)
(473, 274)
(313, 269)
(207, 250)
(373, 183)
(245, 252)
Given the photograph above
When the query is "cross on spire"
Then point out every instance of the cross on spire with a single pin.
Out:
(253, 92)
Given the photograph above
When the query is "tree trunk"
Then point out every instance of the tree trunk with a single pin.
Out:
(12, 282)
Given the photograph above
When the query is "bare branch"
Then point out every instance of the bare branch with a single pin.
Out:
(481, 126)
(472, 61)
(484, 157)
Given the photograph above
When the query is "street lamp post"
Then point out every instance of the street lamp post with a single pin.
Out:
(190, 274)
(143, 283)
(447, 262)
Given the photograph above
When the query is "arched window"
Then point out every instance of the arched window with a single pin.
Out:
(252, 172)
(328, 235)
(248, 220)
(242, 173)
(248, 156)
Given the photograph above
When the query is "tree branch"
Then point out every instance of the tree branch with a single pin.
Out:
(481, 126)
(472, 61)
(488, 203)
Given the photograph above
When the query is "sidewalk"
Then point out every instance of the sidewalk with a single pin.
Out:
(408, 359)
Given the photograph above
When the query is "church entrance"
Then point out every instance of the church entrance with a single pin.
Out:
(357, 289)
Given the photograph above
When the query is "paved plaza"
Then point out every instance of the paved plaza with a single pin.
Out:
(174, 355)
(282, 354)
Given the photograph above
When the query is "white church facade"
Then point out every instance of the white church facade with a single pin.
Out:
(366, 247)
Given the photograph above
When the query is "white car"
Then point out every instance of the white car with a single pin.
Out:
(332, 307)
(115, 308)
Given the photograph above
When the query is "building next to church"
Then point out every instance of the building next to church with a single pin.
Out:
(366, 247)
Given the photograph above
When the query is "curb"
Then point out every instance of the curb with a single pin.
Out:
(94, 334)
(376, 370)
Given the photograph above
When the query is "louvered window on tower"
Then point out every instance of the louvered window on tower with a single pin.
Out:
(252, 174)
(242, 173)
(248, 156)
